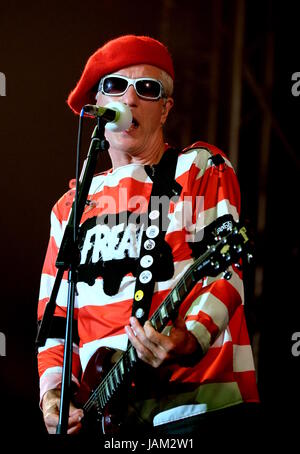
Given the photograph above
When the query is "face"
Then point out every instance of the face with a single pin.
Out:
(145, 132)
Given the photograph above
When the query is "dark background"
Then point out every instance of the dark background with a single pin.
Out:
(234, 60)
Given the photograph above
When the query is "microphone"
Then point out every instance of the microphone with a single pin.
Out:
(117, 115)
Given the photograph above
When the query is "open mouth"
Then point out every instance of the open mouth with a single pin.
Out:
(134, 125)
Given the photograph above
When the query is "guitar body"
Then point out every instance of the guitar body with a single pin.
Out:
(97, 369)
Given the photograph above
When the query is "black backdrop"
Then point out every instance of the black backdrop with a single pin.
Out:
(43, 47)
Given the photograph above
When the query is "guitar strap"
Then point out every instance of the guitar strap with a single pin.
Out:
(164, 189)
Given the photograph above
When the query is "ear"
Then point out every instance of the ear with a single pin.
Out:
(166, 107)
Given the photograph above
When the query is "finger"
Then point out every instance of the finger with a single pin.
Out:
(158, 345)
(148, 351)
(148, 337)
(74, 421)
(74, 429)
(160, 341)
(75, 411)
(137, 328)
(135, 339)
(75, 418)
(142, 351)
(164, 346)
(139, 334)
(51, 422)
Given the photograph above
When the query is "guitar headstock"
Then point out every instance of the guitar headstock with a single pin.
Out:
(226, 249)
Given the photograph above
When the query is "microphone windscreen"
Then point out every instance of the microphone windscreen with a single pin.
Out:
(125, 118)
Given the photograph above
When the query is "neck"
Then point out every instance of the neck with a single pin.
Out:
(148, 156)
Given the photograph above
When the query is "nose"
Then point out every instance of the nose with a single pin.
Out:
(130, 97)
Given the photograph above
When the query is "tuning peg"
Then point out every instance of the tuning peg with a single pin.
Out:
(211, 248)
(235, 230)
(250, 257)
(238, 248)
(215, 265)
(227, 257)
(227, 275)
(238, 266)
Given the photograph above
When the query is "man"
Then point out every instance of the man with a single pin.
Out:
(202, 361)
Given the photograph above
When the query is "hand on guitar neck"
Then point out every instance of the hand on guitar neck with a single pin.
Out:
(157, 349)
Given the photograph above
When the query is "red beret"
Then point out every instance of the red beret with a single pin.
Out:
(116, 54)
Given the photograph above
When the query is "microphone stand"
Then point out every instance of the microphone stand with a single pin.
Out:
(68, 259)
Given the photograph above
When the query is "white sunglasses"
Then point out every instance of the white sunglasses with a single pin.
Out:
(145, 87)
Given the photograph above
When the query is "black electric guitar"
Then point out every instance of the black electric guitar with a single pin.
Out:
(101, 383)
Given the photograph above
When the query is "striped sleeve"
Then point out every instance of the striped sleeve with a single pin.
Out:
(50, 356)
(215, 300)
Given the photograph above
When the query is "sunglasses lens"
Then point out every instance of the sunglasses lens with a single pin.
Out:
(114, 85)
(148, 88)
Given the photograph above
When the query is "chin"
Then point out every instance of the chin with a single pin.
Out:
(123, 141)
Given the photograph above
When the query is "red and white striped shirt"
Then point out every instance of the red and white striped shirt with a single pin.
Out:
(213, 311)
